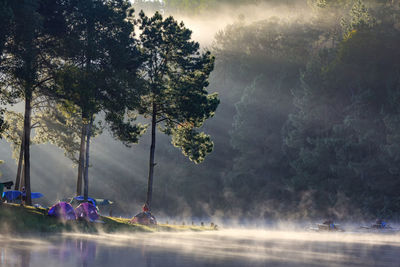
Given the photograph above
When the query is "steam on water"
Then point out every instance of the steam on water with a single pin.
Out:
(223, 248)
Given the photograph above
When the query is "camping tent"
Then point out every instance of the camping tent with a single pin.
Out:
(14, 194)
(11, 195)
(62, 210)
(144, 218)
(80, 199)
(87, 211)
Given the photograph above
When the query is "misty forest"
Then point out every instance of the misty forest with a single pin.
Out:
(261, 109)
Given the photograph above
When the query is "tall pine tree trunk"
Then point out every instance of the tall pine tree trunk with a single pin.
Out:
(22, 182)
(20, 160)
(81, 163)
(151, 161)
(86, 176)
(27, 134)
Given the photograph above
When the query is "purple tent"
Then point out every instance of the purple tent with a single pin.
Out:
(87, 211)
(62, 210)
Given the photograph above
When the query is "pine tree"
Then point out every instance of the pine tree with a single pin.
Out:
(96, 48)
(175, 76)
(27, 67)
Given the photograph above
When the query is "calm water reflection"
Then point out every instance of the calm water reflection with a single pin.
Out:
(224, 248)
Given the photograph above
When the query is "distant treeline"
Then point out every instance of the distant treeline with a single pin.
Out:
(317, 128)
(309, 123)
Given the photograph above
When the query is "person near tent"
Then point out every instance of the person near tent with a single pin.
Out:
(145, 208)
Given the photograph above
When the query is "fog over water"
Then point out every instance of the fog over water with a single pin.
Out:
(230, 247)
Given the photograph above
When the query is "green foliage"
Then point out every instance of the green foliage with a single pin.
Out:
(3, 124)
(5, 22)
(194, 145)
(359, 19)
(267, 55)
(51, 123)
(14, 132)
(339, 135)
(57, 126)
(127, 130)
(175, 85)
(95, 52)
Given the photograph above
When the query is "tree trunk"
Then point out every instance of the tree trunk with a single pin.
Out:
(151, 161)
(20, 159)
(81, 165)
(86, 176)
(22, 182)
(27, 134)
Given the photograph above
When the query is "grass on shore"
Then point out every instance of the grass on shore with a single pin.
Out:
(16, 219)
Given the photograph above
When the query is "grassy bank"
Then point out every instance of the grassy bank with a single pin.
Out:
(26, 219)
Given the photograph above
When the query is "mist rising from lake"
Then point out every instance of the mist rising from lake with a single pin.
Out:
(223, 248)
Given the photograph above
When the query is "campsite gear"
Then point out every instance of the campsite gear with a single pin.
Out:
(329, 227)
(63, 211)
(103, 202)
(326, 226)
(81, 199)
(379, 225)
(7, 184)
(11, 195)
(144, 218)
(36, 195)
(15, 194)
(87, 211)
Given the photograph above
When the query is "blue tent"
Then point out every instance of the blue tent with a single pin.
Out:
(11, 195)
(36, 195)
(15, 194)
(81, 198)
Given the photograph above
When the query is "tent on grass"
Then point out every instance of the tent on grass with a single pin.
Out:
(144, 218)
(80, 199)
(63, 211)
(12, 195)
(87, 211)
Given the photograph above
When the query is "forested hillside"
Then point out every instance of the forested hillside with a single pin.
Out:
(307, 124)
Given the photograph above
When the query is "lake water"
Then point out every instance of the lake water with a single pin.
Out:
(224, 248)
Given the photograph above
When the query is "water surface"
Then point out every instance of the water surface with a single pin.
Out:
(224, 248)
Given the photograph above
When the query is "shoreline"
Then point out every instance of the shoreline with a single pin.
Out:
(17, 219)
